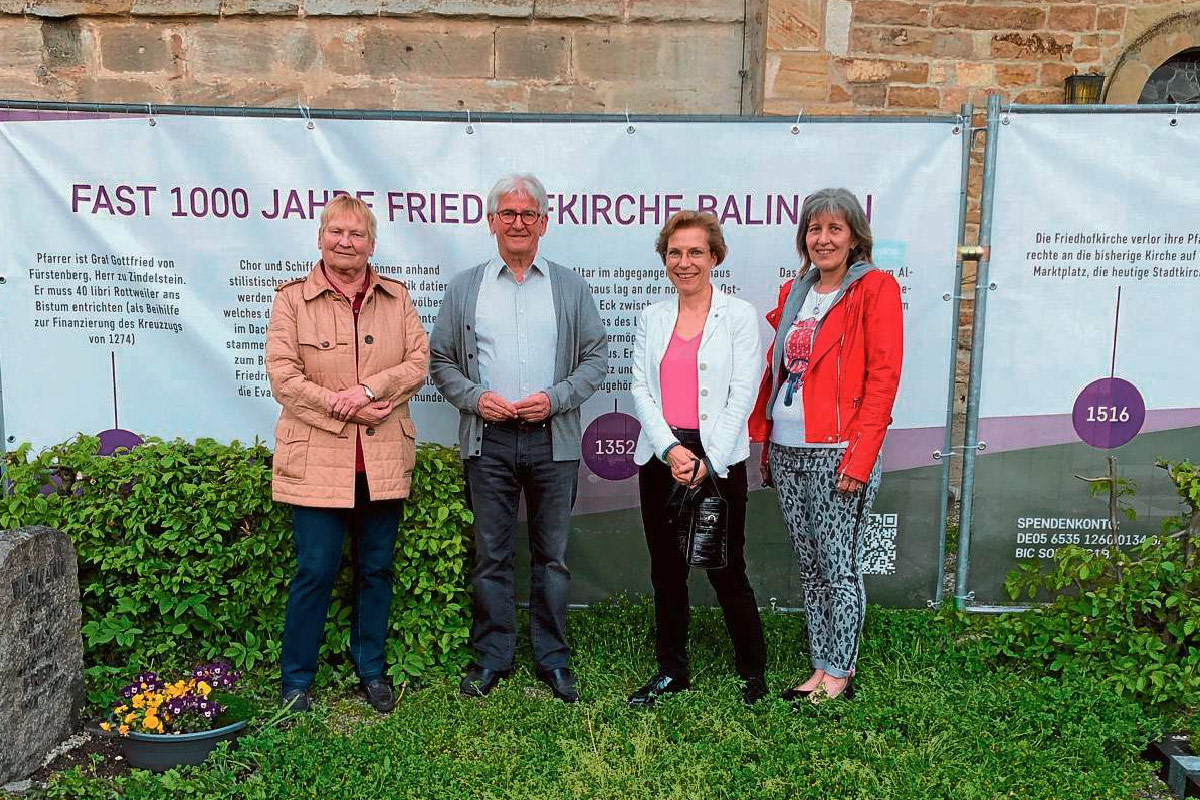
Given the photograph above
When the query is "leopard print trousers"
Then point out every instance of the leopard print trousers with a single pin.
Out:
(826, 528)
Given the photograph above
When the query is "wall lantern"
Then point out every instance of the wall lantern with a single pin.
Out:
(1083, 89)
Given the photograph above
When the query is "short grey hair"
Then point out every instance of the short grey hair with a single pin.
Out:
(519, 184)
(839, 203)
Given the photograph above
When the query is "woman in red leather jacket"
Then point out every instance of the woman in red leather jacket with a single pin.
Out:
(823, 410)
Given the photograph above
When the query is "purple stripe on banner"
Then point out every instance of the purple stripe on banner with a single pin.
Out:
(1044, 430)
(912, 447)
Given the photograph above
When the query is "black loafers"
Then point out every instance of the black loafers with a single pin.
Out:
(656, 687)
(479, 681)
(754, 689)
(561, 681)
(379, 694)
(794, 693)
(296, 700)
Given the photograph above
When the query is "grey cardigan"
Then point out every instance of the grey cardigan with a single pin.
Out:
(580, 363)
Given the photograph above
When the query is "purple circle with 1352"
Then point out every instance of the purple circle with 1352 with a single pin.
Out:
(608, 445)
(1108, 413)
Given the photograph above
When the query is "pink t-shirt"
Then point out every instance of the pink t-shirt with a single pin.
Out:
(679, 380)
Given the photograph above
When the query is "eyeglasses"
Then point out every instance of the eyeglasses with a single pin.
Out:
(693, 254)
(508, 216)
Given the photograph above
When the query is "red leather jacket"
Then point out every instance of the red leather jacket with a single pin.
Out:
(852, 378)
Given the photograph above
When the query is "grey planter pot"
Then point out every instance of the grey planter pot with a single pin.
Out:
(159, 752)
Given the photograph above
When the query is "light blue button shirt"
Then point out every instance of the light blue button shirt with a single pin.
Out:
(516, 330)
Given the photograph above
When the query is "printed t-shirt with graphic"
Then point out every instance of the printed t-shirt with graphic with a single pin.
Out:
(788, 412)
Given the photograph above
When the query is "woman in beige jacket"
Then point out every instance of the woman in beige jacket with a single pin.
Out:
(345, 352)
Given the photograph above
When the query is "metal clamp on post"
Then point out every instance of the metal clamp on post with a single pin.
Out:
(973, 252)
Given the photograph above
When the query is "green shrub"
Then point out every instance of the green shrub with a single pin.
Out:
(1131, 619)
(184, 556)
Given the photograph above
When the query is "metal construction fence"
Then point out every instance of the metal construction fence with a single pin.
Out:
(153, 237)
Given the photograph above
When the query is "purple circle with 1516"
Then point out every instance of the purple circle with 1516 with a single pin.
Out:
(1108, 413)
(608, 445)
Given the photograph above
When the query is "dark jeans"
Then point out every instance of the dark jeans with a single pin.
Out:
(318, 533)
(669, 571)
(514, 459)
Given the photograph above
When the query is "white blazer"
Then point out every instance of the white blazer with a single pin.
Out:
(730, 364)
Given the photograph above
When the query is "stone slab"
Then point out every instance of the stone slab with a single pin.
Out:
(41, 650)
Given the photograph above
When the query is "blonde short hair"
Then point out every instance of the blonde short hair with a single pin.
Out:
(347, 204)
(700, 220)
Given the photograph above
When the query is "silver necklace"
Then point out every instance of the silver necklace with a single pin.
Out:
(821, 299)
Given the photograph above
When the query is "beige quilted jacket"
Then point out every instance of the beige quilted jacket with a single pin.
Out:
(310, 356)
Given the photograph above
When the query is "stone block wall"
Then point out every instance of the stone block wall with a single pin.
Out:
(923, 56)
(486, 55)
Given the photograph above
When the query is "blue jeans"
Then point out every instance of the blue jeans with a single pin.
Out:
(514, 459)
(318, 534)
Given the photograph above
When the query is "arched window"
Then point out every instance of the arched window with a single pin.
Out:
(1176, 81)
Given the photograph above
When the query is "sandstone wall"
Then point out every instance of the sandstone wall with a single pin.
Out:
(485, 55)
(905, 56)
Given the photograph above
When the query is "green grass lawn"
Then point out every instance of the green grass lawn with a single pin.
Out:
(932, 719)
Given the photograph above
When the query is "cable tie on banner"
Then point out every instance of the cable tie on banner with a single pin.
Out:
(470, 127)
(628, 122)
(948, 297)
(796, 124)
(958, 125)
(938, 455)
(150, 109)
(1175, 119)
(304, 113)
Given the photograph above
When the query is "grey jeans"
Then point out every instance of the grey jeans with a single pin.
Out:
(514, 459)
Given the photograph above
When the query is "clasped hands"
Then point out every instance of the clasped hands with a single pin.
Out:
(682, 461)
(353, 405)
(534, 408)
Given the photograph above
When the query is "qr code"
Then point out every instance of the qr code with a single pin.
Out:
(879, 545)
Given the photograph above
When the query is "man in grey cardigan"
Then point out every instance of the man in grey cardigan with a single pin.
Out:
(517, 347)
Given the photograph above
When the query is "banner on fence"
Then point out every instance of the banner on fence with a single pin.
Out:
(1087, 348)
(144, 254)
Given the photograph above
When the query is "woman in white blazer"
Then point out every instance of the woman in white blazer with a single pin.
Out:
(695, 375)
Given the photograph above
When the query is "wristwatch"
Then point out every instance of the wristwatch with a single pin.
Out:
(370, 394)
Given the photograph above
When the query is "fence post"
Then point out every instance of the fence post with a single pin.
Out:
(971, 444)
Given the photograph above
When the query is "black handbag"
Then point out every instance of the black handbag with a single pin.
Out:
(701, 521)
